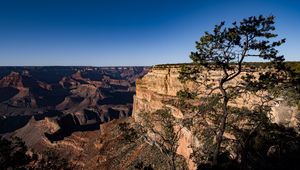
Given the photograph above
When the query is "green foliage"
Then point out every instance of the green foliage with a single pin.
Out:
(186, 94)
(130, 134)
(295, 66)
(165, 131)
(230, 45)
(219, 59)
(291, 88)
(189, 72)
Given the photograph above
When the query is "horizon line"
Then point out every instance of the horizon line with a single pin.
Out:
(291, 61)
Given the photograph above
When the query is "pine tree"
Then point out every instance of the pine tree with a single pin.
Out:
(219, 61)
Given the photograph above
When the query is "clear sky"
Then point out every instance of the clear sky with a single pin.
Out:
(126, 32)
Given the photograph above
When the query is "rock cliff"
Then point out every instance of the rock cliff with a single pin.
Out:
(156, 87)
(161, 84)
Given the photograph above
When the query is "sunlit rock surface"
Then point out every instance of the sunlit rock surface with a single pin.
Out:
(161, 84)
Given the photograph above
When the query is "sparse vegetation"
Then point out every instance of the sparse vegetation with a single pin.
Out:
(163, 130)
(14, 154)
(225, 51)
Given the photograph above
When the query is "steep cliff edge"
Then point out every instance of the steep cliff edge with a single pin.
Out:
(161, 84)
(156, 87)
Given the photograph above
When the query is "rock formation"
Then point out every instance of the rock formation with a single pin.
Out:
(76, 111)
(161, 84)
(76, 98)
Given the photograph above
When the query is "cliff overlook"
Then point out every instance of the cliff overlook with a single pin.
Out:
(159, 87)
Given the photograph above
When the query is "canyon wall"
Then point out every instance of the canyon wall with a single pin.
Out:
(157, 86)
(161, 84)
(76, 98)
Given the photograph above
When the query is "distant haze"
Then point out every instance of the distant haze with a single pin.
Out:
(132, 32)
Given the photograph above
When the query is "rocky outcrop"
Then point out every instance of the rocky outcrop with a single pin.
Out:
(289, 116)
(156, 87)
(103, 149)
(161, 84)
(14, 79)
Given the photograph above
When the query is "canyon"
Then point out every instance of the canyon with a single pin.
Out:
(72, 98)
(76, 111)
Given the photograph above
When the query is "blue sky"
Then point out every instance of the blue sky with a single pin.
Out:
(126, 32)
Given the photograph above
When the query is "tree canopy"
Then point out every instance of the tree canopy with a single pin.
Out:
(220, 67)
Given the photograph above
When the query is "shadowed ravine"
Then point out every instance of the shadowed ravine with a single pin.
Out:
(73, 98)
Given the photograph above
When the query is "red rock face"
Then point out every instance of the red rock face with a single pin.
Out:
(162, 84)
(14, 79)
(76, 98)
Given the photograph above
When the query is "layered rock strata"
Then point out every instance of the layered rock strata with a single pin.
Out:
(161, 84)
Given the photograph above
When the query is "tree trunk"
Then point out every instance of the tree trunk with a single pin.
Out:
(219, 137)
